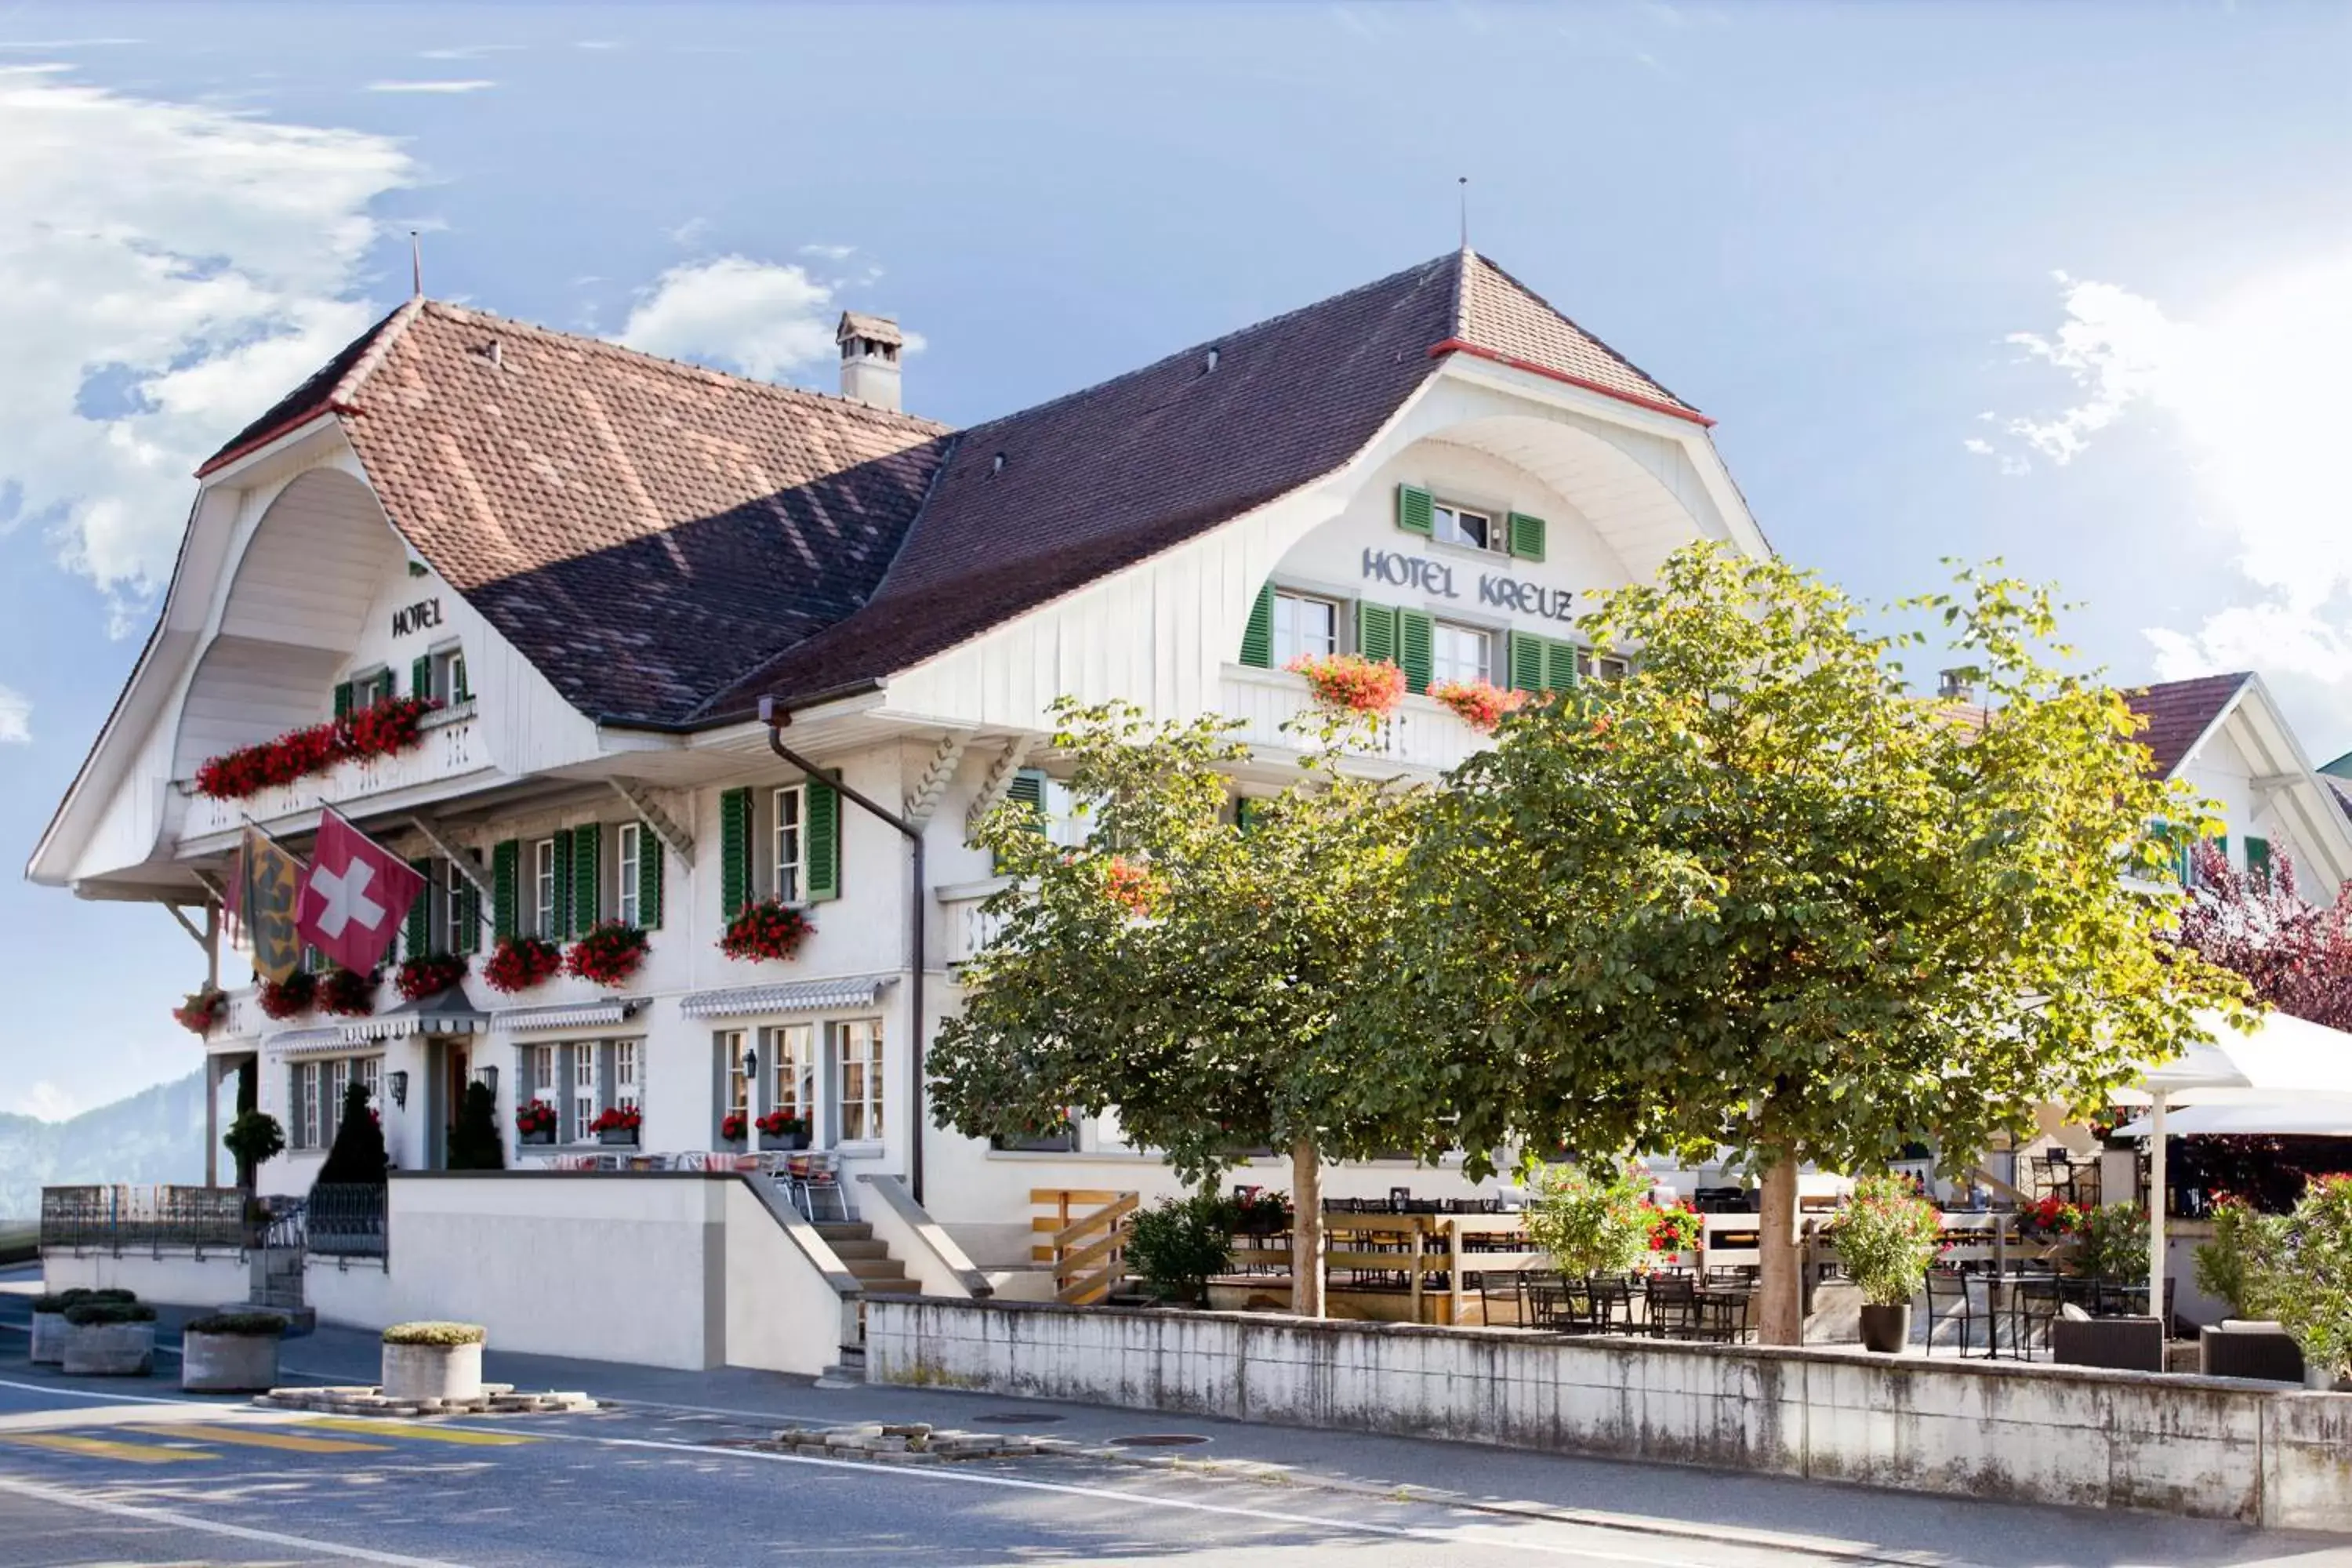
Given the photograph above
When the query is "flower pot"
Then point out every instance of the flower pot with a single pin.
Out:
(49, 1338)
(788, 1142)
(1885, 1330)
(229, 1363)
(109, 1349)
(2322, 1380)
(432, 1372)
(546, 1137)
(618, 1135)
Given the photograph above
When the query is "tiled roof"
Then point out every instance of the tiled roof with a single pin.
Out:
(667, 545)
(2177, 712)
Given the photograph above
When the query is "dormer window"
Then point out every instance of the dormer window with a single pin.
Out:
(362, 692)
(448, 677)
(1460, 525)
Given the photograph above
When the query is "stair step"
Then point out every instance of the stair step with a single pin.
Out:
(883, 1268)
(841, 1230)
(897, 1285)
(848, 1249)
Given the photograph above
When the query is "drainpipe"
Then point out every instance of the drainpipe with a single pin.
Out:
(775, 717)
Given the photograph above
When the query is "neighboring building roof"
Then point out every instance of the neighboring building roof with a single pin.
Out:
(2177, 713)
(2340, 768)
(668, 543)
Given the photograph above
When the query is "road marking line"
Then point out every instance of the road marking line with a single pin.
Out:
(106, 1398)
(105, 1448)
(408, 1429)
(65, 1499)
(262, 1437)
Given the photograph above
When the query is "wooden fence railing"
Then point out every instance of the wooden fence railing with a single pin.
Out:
(1086, 1234)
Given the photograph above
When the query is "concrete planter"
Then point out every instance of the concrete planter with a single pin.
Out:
(1885, 1330)
(432, 1372)
(109, 1349)
(229, 1363)
(2320, 1380)
(49, 1338)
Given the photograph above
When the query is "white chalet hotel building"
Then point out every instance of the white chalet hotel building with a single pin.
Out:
(599, 563)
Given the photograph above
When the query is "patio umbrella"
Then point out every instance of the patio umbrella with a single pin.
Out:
(2311, 1116)
(2270, 1056)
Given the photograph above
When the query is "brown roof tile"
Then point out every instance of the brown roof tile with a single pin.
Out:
(2179, 712)
(1510, 320)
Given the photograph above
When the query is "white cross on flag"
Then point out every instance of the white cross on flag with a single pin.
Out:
(355, 896)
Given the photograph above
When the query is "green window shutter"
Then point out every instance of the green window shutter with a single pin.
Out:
(420, 676)
(587, 883)
(1376, 631)
(650, 878)
(1526, 659)
(734, 852)
(342, 698)
(1414, 513)
(1415, 633)
(1246, 810)
(417, 938)
(2258, 855)
(1527, 536)
(1257, 638)
(1560, 667)
(1027, 791)
(562, 882)
(506, 874)
(823, 831)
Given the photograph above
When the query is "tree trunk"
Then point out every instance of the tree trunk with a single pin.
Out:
(1306, 1229)
(1780, 1297)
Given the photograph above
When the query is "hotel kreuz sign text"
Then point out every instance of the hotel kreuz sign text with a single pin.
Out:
(1399, 569)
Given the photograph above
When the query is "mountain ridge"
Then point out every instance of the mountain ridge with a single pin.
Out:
(156, 1135)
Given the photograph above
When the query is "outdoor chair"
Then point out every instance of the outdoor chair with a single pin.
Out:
(1955, 1298)
(2033, 1303)
(1720, 1315)
(1543, 1302)
(1673, 1302)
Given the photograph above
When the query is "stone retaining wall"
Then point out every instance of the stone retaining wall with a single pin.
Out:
(2205, 1448)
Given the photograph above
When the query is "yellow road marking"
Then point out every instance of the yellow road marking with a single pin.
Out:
(101, 1449)
(409, 1429)
(262, 1437)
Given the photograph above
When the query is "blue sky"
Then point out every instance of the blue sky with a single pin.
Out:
(1839, 229)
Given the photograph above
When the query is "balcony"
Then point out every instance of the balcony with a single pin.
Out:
(450, 745)
(1422, 733)
(969, 929)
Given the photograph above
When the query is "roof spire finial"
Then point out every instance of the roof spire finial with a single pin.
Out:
(1464, 182)
(415, 266)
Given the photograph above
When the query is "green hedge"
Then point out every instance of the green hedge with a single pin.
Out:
(245, 1325)
(59, 1300)
(102, 1314)
(436, 1334)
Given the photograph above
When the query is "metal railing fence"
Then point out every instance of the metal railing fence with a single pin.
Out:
(146, 1219)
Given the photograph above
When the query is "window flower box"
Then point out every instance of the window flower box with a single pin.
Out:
(1352, 683)
(535, 1122)
(519, 962)
(781, 1130)
(608, 955)
(768, 929)
(617, 1125)
(201, 1011)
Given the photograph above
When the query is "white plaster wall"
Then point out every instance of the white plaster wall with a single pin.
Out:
(780, 1314)
(175, 1279)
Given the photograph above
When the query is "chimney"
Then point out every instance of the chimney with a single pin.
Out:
(869, 358)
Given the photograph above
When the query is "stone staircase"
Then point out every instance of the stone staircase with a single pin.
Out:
(878, 1273)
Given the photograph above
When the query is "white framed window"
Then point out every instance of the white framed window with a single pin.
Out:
(542, 1075)
(788, 853)
(732, 1045)
(1458, 653)
(860, 1110)
(449, 676)
(585, 1101)
(1464, 525)
(369, 1070)
(368, 690)
(626, 1089)
(1607, 667)
(454, 886)
(1304, 627)
(302, 1106)
(791, 1066)
(334, 1077)
(543, 889)
(628, 860)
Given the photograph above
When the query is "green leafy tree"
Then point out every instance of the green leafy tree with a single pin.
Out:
(1186, 967)
(1759, 899)
(358, 1155)
(474, 1143)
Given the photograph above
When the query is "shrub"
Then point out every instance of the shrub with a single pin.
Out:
(103, 1314)
(1179, 1242)
(358, 1157)
(254, 1137)
(1591, 1221)
(474, 1141)
(2114, 1243)
(1885, 1235)
(2300, 1268)
(431, 1333)
(243, 1325)
(2222, 1262)
(76, 1295)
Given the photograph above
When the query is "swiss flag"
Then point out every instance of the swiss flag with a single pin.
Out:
(355, 896)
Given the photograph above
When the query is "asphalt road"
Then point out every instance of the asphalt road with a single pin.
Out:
(129, 1471)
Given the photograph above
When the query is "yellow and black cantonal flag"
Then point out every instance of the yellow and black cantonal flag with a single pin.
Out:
(268, 882)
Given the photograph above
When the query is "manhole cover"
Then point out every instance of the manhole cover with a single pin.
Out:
(1015, 1420)
(1157, 1440)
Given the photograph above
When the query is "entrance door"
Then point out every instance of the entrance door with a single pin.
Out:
(448, 1067)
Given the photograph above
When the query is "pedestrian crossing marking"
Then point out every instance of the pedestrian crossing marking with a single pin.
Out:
(105, 1448)
(262, 1437)
(409, 1429)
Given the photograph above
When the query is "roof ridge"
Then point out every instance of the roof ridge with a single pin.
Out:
(1581, 330)
(468, 315)
(1206, 344)
(347, 390)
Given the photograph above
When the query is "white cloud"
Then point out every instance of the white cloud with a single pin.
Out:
(469, 85)
(44, 1100)
(763, 319)
(2255, 388)
(467, 51)
(830, 252)
(15, 716)
(177, 268)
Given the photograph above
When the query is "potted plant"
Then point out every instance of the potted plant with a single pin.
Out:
(2112, 1245)
(1478, 703)
(1179, 1243)
(49, 1320)
(347, 993)
(1351, 683)
(428, 974)
(732, 1129)
(1259, 1214)
(1675, 1232)
(535, 1122)
(201, 1010)
(784, 1130)
(283, 999)
(253, 1138)
(1593, 1222)
(433, 1361)
(1885, 1235)
(2241, 1346)
(768, 929)
(2299, 1265)
(108, 1339)
(608, 955)
(519, 962)
(617, 1125)
(230, 1352)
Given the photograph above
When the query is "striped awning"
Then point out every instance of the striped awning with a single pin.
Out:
(305, 1042)
(443, 1013)
(568, 1016)
(794, 996)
